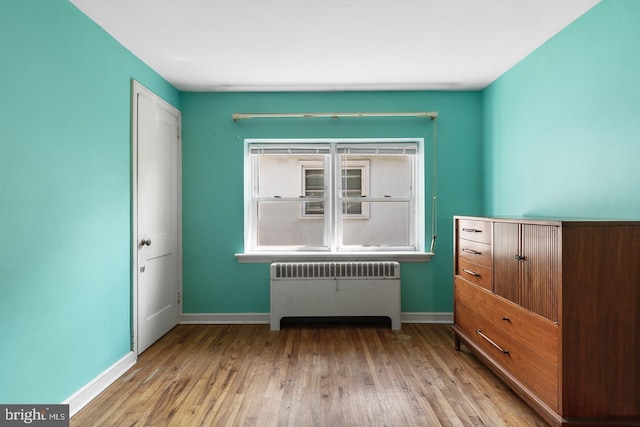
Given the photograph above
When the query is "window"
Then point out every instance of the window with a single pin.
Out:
(334, 196)
(313, 182)
(354, 177)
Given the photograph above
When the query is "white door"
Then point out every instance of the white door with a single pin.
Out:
(157, 278)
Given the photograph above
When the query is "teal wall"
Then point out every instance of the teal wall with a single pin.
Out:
(561, 127)
(214, 281)
(65, 198)
(554, 136)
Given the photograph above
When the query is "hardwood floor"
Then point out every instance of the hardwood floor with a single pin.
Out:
(307, 375)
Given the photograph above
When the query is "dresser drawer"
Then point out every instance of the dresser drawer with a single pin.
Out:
(479, 253)
(470, 306)
(475, 230)
(527, 366)
(522, 326)
(525, 328)
(481, 275)
(526, 347)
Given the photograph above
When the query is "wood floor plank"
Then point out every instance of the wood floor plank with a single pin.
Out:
(314, 374)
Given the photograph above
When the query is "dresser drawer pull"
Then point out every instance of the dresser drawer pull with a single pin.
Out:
(471, 251)
(473, 273)
(500, 349)
(471, 230)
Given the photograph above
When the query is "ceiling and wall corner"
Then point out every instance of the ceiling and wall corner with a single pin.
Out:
(293, 45)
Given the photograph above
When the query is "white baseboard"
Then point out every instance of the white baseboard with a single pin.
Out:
(264, 318)
(225, 318)
(426, 317)
(87, 393)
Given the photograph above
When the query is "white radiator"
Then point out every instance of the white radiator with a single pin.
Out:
(323, 289)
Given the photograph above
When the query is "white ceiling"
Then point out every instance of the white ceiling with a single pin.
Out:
(275, 45)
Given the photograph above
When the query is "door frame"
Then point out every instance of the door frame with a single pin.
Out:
(138, 89)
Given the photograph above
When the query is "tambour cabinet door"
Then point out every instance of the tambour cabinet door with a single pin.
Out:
(540, 262)
(526, 265)
(506, 267)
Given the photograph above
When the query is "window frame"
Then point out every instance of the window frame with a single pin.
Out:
(254, 253)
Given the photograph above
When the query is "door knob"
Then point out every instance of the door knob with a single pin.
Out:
(144, 242)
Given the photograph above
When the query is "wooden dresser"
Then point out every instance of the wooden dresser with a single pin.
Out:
(553, 308)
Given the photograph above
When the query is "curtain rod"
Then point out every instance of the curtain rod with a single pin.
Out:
(240, 116)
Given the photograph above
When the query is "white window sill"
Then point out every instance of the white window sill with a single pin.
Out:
(264, 257)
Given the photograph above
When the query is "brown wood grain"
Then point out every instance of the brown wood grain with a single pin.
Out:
(477, 230)
(307, 375)
(540, 285)
(531, 340)
(601, 319)
(571, 292)
(506, 269)
(481, 275)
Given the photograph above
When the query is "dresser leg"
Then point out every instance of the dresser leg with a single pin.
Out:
(457, 342)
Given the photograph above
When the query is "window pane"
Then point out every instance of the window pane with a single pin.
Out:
(388, 224)
(313, 187)
(352, 180)
(352, 187)
(282, 224)
(279, 175)
(389, 174)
